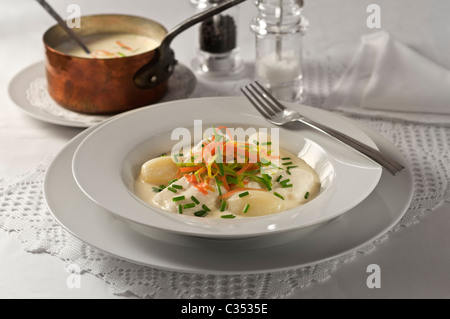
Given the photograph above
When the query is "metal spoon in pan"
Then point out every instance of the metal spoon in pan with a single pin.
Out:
(63, 24)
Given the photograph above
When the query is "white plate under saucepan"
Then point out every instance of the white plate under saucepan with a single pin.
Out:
(94, 225)
(108, 160)
(32, 81)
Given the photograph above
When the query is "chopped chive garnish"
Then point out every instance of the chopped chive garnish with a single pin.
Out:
(180, 209)
(223, 206)
(218, 184)
(195, 200)
(306, 195)
(188, 206)
(231, 216)
(246, 208)
(266, 143)
(287, 186)
(201, 213)
(175, 157)
(206, 208)
(178, 199)
(172, 181)
(288, 163)
(265, 181)
(173, 190)
(286, 159)
(221, 171)
(288, 171)
(156, 190)
(277, 167)
(177, 186)
(279, 178)
(278, 195)
(232, 180)
(121, 54)
(162, 187)
(244, 194)
(285, 182)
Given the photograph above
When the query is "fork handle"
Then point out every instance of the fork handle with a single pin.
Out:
(388, 163)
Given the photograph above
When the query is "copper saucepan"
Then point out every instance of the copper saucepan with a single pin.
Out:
(106, 86)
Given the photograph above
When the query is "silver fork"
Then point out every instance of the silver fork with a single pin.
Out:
(278, 114)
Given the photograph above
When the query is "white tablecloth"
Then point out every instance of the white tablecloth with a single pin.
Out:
(415, 262)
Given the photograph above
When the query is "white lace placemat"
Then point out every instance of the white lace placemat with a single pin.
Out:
(23, 210)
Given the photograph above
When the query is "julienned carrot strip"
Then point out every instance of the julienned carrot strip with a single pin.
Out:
(245, 168)
(210, 149)
(106, 52)
(225, 183)
(124, 46)
(191, 179)
(237, 190)
(201, 189)
(228, 131)
(190, 169)
(208, 187)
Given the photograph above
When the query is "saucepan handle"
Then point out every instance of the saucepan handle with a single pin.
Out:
(161, 67)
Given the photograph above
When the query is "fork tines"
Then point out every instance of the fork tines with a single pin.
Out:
(262, 100)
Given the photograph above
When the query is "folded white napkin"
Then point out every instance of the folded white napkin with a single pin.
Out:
(388, 79)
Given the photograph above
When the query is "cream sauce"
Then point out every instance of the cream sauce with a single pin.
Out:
(109, 46)
(303, 178)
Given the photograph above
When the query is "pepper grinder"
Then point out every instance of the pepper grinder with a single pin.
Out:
(218, 52)
(279, 28)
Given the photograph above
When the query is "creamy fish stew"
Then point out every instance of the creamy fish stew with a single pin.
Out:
(108, 46)
(205, 184)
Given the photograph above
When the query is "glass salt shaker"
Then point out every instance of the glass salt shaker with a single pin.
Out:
(218, 52)
(279, 29)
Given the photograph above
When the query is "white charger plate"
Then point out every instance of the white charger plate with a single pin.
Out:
(94, 225)
(109, 159)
